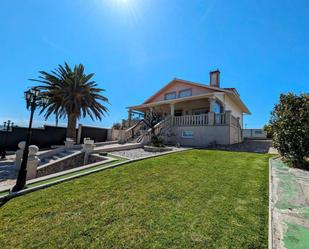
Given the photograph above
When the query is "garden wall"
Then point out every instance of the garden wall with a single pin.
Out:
(69, 162)
(47, 136)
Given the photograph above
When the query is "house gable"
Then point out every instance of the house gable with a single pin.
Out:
(175, 87)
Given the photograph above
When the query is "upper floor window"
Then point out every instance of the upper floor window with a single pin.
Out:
(185, 93)
(218, 107)
(171, 95)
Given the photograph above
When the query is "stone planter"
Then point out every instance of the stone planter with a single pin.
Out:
(156, 149)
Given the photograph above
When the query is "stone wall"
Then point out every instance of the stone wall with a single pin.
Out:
(70, 162)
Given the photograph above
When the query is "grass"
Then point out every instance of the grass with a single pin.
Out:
(192, 199)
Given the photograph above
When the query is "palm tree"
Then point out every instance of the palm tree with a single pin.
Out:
(71, 94)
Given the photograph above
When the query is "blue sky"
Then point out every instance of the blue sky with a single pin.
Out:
(135, 47)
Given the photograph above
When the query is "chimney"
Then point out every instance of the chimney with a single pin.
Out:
(215, 78)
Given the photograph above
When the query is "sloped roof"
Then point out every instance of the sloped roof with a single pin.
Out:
(190, 83)
(232, 92)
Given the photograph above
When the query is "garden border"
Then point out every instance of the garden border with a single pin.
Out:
(270, 230)
(270, 208)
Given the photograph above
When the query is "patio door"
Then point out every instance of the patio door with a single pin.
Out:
(178, 113)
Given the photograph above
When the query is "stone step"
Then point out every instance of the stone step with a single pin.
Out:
(64, 154)
(106, 143)
(117, 147)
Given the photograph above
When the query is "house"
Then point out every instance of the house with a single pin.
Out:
(197, 114)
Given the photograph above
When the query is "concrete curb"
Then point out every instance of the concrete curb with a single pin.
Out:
(270, 229)
(65, 172)
(270, 208)
(32, 189)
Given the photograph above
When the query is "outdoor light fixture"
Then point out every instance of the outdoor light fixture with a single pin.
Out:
(33, 99)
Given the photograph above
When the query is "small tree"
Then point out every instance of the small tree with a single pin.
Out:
(268, 129)
(290, 126)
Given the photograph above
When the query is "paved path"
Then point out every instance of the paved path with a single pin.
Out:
(8, 174)
(290, 206)
(117, 147)
(138, 153)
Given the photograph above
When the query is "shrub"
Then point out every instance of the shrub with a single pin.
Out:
(290, 127)
(157, 141)
(117, 126)
(268, 130)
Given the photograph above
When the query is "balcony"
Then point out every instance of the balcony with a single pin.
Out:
(208, 119)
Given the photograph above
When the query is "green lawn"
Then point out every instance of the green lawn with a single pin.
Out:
(192, 199)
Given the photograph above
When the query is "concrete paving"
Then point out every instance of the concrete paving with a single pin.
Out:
(8, 174)
(117, 147)
(139, 153)
(289, 206)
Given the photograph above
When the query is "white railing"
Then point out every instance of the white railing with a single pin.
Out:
(191, 120)
(220, 119)
(205, 119)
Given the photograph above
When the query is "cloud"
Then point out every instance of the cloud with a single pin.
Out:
(53, 45)
(209, 8)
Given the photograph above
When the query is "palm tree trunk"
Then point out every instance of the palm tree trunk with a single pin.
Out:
(71, 130)
(57, 119)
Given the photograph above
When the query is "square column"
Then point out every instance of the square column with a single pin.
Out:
(129, 117)
(212, 102)
(172, 106)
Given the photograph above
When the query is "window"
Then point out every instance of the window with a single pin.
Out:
(185, 93)
(171, 95)
(218, 108)
(187, 134)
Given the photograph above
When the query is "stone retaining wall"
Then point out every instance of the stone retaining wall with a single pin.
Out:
(67, 163)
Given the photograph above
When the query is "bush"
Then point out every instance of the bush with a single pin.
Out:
(117, 126)
(290, 127)
(157, 141)
(268, 130)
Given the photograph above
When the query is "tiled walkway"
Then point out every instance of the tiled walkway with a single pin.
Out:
(290, 206)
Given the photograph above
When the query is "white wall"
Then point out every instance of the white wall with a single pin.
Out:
(231, 106)
(254, 133)
(202, 135)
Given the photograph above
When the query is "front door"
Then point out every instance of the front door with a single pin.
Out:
(178, 113)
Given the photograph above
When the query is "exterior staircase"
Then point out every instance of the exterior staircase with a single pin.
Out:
(52, 157)
(138, 134)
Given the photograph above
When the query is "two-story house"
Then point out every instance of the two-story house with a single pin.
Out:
(198, 114)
